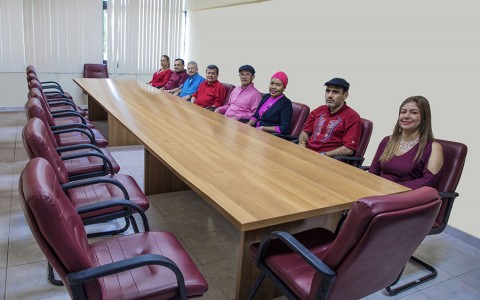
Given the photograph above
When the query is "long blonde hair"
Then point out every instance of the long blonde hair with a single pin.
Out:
(425, 134)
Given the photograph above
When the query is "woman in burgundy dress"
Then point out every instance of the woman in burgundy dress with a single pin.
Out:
(410, 156)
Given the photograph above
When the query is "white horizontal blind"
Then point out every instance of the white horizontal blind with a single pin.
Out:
(140, 31)
(62, 35)
(12, 54)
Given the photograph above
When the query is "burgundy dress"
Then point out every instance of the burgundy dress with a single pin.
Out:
(404, 169)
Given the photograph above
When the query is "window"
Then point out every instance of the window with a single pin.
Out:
(138, 32)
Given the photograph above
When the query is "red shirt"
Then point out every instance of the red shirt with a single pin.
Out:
(330, 131)
(210, 94)
(160, 78)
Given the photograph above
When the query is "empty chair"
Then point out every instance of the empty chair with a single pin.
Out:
(148, 265)
(376, 241)
(84, 191)
(358, 157)
(81, 161)
(454, 159)
(63, 111)
(95, 71)
(65, 135)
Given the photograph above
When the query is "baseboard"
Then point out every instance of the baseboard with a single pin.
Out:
(11, 108)
(463, 236)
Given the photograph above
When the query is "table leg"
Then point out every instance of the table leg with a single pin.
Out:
(95, 111)
(159, 178)
(118, 134)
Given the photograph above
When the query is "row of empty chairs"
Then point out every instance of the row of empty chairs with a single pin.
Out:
(72, 181)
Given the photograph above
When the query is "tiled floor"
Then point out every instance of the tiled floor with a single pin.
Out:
(210, 239)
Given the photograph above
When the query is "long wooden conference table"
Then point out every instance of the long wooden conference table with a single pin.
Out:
(259, 182)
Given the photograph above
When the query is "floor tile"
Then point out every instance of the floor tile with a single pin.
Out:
(224, 273)
(453, 289)
(214, 292)
(18, 224)
(30, 282)
(449, 254)
(472, 278)
(213, 246)
(24, 250)
(3, 252)
(3, 277)
(7, 142)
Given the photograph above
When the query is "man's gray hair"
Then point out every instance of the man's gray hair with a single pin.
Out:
(193, 63)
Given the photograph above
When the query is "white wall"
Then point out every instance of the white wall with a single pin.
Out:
(387, 50)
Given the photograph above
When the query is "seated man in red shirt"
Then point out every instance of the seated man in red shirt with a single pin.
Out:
(335, 128)
(211, 93)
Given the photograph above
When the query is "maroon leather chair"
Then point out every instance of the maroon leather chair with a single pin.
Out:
(454, 155)
(65, 135)
(148, 265)
(358, 157)
(81, 161)
(299, 116)
(63, 111)
(229, 88)
(95, 71)
(376, 241)
(90, 190)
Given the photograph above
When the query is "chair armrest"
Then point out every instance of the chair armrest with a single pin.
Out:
(78, 147)
(66, 114)
(116, 203)
(59, 129)
(53, 96)
(54, 113)
(452, 195)
(51, 85)
(106, 162)
(345, 158)
(91, 181)
(76, 279)
(291, 138)
(316, 263)
(57, 102)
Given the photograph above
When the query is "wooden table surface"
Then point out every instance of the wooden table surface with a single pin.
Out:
(254, 179)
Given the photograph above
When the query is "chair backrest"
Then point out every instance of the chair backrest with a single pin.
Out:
(37, 93)
(95, 71)
(367, 129)
(299, 116)
(38, 144)
(454, 155)
(30, 69)
(54, 222)
(376, 241)
(229, 88)
(33, 109)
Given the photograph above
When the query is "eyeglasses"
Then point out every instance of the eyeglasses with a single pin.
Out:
(245, 75)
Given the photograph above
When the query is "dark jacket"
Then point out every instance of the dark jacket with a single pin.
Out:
(280, 114)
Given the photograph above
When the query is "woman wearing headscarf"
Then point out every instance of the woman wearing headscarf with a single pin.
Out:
(274, 112)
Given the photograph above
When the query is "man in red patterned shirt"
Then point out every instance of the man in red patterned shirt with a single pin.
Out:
(335, 128)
